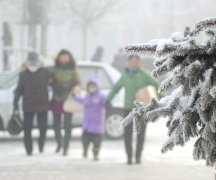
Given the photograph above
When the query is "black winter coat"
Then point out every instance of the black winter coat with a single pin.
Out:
(33, 88)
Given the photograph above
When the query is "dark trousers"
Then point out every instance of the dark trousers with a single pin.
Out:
(67, 128)
(128, 135)
(96, 139)
(28, 124)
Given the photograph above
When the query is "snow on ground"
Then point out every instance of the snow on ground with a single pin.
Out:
(175, 165)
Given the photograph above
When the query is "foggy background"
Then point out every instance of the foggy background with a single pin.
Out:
(50, 25)
(93, 30)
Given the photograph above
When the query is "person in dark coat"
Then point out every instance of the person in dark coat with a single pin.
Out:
(64, 77)
(33, 88)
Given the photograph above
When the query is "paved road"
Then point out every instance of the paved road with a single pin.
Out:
(176, 165)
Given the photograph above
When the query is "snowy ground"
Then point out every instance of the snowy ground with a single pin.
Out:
(176, 165)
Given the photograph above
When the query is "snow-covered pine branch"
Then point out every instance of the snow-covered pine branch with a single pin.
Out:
(188, 60)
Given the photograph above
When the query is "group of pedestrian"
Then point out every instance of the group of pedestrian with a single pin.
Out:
(33, 85)
(62, 78)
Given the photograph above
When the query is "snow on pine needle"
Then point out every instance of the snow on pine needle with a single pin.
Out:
(188, 60)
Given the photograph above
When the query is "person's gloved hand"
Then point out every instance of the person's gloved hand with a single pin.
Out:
(108, 105)
(76, 91)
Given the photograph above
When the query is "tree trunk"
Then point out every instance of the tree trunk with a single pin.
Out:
(85, 36)
(172, 12)
(45, 4)
(1, 40)
(32, 36)
(43, 46)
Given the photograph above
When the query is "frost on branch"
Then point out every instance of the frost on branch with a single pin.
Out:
(188, 59)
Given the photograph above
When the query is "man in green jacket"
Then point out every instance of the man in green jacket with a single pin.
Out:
(132, 80)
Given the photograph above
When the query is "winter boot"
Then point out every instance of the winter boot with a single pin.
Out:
(58, 149)
(138, 160)
(29, 154)
(41, 150)
(65, 152)
(85, 153)
(129, 160)
(96, 154)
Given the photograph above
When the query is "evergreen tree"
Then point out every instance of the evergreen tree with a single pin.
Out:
(188, 59)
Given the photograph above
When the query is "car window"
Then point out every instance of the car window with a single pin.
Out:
(87, 72)
(8, 80)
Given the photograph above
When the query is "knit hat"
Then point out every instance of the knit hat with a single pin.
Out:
(32, 58)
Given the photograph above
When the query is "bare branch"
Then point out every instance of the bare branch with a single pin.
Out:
(86, 12)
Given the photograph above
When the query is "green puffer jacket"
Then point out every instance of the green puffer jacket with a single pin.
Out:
(132, 82)
(63, 82)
